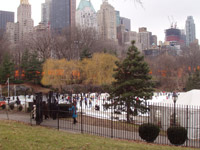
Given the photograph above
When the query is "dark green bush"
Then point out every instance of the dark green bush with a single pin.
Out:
(20, 108)
(149, 132)
(177, 135)
(11, 106)
(3, 106)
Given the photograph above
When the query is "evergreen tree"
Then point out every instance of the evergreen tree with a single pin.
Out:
(32, 67)
(6, 69)
(133, 82)
(85, 54)
(193, 81)
(25, 63)
(35, 69)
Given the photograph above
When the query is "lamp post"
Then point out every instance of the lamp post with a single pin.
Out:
(175, 97)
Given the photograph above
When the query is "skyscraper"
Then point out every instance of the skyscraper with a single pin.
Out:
(86, 15)
(106, 18)
(62, 14)
(117, 18)
(126, 22)
(24, 19)
(190, 30)
(18, 31)
(45, 17)
(5, 17)
(144, 38)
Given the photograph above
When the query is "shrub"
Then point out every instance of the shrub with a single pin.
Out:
(3, 106)
(177, 135)
(11, 106)
(20, 108)
(149, 132)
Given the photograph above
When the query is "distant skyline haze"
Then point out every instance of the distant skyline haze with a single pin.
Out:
(153, 14)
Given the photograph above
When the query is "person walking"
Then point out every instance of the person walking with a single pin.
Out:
(74, 112)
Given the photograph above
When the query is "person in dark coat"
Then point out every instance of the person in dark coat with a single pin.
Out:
(74, 112)
(18, 101)
(45, 110)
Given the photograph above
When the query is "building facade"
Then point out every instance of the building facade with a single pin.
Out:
(62, 14)
(117, 18)
(154, 40)
(106, 21)
(18, 31)
(190, 30)
(144, 38)
(45, 12)
(126, 22)
(5, 17)
(86, 16)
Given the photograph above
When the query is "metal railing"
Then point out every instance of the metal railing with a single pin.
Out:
(96, 120)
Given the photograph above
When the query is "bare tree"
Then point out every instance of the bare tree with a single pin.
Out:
(4, 45)
(41, 43)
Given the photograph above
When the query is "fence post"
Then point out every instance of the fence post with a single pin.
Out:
(7, 111)
(112, 122)
(148, 112)
(58, 118)
(81, 114)
(187, 126)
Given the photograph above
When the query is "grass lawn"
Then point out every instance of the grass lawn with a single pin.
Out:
(19, 136)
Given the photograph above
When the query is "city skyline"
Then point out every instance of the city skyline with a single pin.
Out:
(156, 20)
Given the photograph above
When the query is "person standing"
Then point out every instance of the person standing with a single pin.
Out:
(85, 102)
(74, 112)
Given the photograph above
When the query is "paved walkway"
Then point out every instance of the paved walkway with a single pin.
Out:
(95, 130)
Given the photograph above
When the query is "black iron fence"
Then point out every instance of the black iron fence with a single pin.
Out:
(94, 118)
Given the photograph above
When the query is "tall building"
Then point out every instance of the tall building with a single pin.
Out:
(117, 18)
(121, 34)
(62, 14)
(5, 17)
(144, 38)
(18, 31)
(86, 16)
(190, 30)
(154, 40)
(106, 21)
(45, 17)
(126, 22)
(183, 38)
(173, 36)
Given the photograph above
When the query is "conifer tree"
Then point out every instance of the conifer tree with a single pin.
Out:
(6, 69)
(132, 82)
(193, 81)
(85, 54)
(31, 66)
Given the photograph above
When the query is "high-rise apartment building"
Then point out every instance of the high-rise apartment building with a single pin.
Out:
(62, 14)
(154, 40)
(190, 30)
(18, 31)
(86, 16)
(106, 20)
(144, 38)
(117, 18)
(126, 22)
(45, 17)
(5, 17)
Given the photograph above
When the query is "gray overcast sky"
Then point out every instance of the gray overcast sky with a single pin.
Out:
(153, 15)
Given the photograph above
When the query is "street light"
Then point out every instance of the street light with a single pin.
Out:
(175, 97)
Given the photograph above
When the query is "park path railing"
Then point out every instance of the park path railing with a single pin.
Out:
(96, 120)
